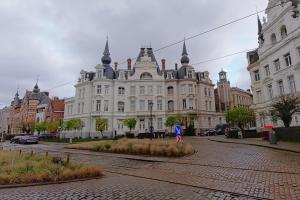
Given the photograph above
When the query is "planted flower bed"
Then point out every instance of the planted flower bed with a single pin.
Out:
(16, 168)
(137, 147)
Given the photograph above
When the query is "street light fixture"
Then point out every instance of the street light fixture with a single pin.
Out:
(151, 119)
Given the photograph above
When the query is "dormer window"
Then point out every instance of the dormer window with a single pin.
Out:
(146, 76)
(99, 74)
(283, 32)
(121, 91)
(190, 74)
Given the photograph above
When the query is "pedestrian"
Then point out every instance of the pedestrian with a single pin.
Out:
(178, 133)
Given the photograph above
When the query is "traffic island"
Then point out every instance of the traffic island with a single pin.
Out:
(27, 168)
(145, 147)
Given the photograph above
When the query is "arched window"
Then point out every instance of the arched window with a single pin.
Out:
(170, 90)
(121, 106)
(146, 76)
(273, 38)
(171, 105)
(283, 32)
(121, 91)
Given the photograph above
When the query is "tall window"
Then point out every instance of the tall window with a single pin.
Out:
(205, 91)
(258, 96)
(283, 32)
(190, 89)
(288, 60)
(210, 105)
(99, 89)
(159, 104)
(209, 93)
(83, 93)
(150, 90)
(280, 87)
(256, 75)
(121, 106)
(159, 90)
(150, 103)
(99, 74)
(132, 90)
(106, 103)
(184, 104)
(267, 70)
(78, 108)
(190, 74)
(277, 64)
(270, 91)
(121, 91)
(142, 90)
(191, 103)
(292, 84)
(106, 89)
(206, 105)
(170, 90)
(209, 121)
(159, 123)
(98, 105)
(170, 105)
(132, 105)
(82, 107)
(183, 89)
(142, 105)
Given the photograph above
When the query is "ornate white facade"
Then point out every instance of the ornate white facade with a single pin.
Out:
(275, 66)
(117, 94)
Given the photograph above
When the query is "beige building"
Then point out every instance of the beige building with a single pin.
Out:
(117, 94)
(230, 97)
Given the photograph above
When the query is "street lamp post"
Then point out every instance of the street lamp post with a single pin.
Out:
(151, 119)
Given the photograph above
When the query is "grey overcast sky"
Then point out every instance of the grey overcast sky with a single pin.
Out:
(55, 39)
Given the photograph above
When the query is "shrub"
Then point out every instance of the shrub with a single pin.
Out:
(288, 134)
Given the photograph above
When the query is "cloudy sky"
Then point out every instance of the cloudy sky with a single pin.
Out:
(55, 39)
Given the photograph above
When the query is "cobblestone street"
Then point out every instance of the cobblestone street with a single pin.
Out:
(215, 171)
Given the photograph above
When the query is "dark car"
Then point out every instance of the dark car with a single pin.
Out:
(46, 136)
(209, 132)
(15, 139)
(220, 129)
(28, 140)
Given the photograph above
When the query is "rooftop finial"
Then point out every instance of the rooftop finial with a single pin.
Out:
(106, 60)
(184, 59)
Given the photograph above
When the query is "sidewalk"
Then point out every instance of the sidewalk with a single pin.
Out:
(285, 146)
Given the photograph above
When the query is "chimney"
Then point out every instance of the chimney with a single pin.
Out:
(176, 66)
(163, 64)
(129, 63)
(116, 65)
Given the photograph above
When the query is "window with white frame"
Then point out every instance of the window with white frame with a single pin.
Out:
(206, 105)
(184, 104)
(170, 90)
(190, 74)
(256, 75)
(258, 96)
(171, 105)
(159, 123)
(82, 107)
(190, 89)
(159, 90)
(191, 103)
(132, 105)
(121, 91)
(182, 89)
(121, 106)
(142, 90)
(267, 70)
(287, 59)
(277, 64)
(150, 90)
(132, 90)
(98, 105)
(99, 89)
(142, 105)
(99, 74)
(210, 105)
(209, 92)
(159, 104)
(292, 84)
(270, 91)
(280, 87)
(106, 89)
(106, 104)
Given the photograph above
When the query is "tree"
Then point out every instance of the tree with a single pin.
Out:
(285, 108)
(101, 125)
(171, 121)
(181, 119)
(40, 127)
(240, 116)
(52, 126)
(130, 123)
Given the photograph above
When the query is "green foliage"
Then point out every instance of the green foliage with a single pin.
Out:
(40, 127)
(288, 134)
(130, 123)
(101, 125)
(171, 121)
(240, 116)
(181, 119)
(285, 108)
(72, 124)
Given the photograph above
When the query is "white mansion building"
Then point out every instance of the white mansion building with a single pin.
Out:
(275, 66)
(117, 94)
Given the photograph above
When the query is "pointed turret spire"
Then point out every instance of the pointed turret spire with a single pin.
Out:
(260, 34)
(106, 60)
(184, 59)
(36, 88)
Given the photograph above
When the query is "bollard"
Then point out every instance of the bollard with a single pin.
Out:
(47, 154)
(20, 152)
(68, 158)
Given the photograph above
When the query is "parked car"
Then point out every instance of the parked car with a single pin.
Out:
(209, 132)
(27, 139)
(15, 139)
(220, 129)
(47, 136)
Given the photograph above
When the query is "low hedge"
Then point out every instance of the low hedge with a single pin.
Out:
(288, 134)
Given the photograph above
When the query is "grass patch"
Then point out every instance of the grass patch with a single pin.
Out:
(138, 147)
(26, 168)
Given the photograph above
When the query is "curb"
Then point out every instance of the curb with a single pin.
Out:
(259, 145)
(48, 183)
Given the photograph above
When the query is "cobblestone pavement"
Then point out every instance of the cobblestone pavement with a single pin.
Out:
(215, 171)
